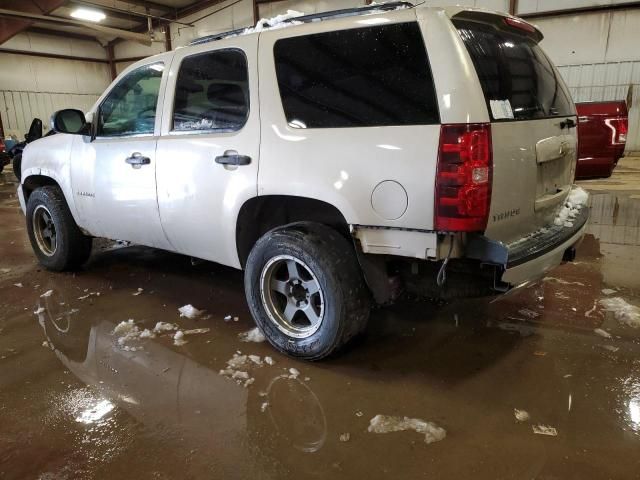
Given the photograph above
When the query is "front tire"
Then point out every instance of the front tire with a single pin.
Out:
(55, 238)
(16, 164)
(305, 290)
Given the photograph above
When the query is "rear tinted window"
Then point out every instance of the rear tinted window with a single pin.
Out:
(518, 79)
(363, 77)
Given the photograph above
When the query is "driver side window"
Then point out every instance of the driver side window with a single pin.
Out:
(130, 108)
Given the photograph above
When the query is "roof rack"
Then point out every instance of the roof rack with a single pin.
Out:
(216, 36)
(348, 12)
(315, 17)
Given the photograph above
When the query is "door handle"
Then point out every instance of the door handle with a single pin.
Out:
(136, 160)
(231, 157)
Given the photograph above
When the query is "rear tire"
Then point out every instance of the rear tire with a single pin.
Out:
(57, 241)
(305, 290)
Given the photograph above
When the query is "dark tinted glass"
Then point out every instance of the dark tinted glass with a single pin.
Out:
(212, 92)
(513, 68)
(362, 77)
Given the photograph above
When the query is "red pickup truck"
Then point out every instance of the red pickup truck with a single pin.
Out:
(602, 135)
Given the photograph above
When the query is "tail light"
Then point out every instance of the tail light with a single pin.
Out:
(619, 127)
(463, 178)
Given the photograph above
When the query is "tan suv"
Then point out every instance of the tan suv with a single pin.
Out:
(341, 160)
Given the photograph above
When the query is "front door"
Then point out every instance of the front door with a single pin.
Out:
(114, 176)
(207, 157)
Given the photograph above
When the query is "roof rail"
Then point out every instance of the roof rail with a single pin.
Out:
(216, 36)
(348, 12)
(315, 17)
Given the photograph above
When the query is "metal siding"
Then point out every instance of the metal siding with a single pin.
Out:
(18, 108)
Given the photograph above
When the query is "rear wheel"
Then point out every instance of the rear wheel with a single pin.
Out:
(305, 290)
(55, 238)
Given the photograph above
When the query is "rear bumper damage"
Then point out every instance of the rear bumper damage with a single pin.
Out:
(530, 258)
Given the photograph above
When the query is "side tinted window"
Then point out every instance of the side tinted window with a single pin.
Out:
(212, 92)
(130, 108)
(362, 77)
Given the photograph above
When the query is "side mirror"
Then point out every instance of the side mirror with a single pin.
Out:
(70, 121)
(35, 131)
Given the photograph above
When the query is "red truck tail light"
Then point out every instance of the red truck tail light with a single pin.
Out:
(463, 178)
(619, 127)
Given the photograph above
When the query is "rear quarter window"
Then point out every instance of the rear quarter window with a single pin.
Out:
(364, 77)
(518, 79)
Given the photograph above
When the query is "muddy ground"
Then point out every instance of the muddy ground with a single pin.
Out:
(74, 403)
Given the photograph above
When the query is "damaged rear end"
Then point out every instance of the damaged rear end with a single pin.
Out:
(506, 209)
(534, 214)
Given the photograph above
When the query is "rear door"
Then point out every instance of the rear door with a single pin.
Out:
(208, 151)
(533, 123)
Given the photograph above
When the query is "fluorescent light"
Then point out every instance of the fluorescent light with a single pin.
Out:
(88, 14)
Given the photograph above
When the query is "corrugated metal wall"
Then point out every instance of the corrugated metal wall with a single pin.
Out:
(595, 82)
(20, 108)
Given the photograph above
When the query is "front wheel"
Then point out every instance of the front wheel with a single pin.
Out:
(305, 290)
(56, 239)
(16, 164)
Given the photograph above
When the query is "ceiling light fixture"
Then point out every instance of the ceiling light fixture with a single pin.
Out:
(88, 14)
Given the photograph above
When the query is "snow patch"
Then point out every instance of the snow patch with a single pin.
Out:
(387, 423)
(48, 293)
(269, 361)
(19, 285)
(608, 291)
(561, 281)
(196, 331)
(254, 335)
(624, 312)
(345, 437)
(544, 430)
(140, 290)
(274, 23)
(164, 327)
(578, 197)
(602, 333)
(521, 415)
(189, 311)
(39, 311)
(178, 338)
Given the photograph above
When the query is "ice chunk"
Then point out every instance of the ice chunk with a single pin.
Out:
(608, 291)
(521, 415)
(344, 437)
(264, 406)
(146, 333)
(178, 338)
(164, 327)
(196, 331)
(624, 312)
(189, 311)
(254, 335)
(602, 333)
(227, 318)
(294, 372)
(39, 311)
(387, 423)
(140, 290)
(255, 359)
(48, 293)
(544, 430)
(19, 285)
(269, 361)
(124, 327)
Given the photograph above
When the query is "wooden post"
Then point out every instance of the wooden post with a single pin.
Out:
(256, 12)
(167, 37)
(111, 60)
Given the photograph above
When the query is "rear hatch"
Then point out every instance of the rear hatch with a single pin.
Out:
(533, 123)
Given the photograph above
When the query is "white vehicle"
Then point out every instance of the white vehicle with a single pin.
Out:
(344, 159)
